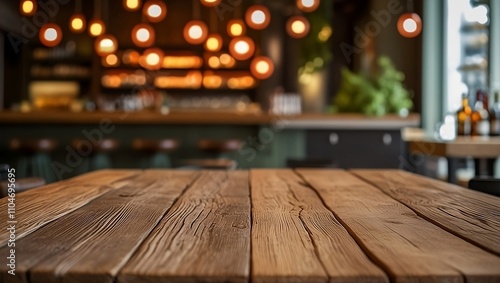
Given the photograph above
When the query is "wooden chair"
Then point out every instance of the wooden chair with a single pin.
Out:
(34, 157)
(156, 152)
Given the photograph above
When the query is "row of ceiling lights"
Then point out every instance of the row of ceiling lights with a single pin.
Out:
(241, 47)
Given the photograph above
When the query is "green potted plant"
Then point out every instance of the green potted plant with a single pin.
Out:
(376, 94)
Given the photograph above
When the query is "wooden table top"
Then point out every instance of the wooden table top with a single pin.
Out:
(462, 147)
(261, 225)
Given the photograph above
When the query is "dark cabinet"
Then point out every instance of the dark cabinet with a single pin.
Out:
(357, 148)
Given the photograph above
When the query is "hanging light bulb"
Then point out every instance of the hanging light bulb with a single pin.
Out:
(27, 7)
(77, 23)
(409, 25)
(242, 48)
(96, 27)
(195, 32)
(152, 59)
(210, 3)
(213, 43)
(258, 17)
(110, 60)
(106, 44)
(297, 26)
(308, 5)
(131, 5)
(50, 35)
(262, 67)
(154, 10)
(143, 35)
(235, 28)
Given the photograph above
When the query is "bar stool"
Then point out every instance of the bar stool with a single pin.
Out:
(95, 155)
(34, 157)
(155, 152)
(217, 153)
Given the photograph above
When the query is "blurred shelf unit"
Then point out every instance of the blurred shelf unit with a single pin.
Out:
(178, 70)
(60, 64)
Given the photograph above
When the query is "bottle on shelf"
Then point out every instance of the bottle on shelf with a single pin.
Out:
(464, 119)
(480, 115)
(495, 115)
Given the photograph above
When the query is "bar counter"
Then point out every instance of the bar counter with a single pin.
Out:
(267, 140)
(350, 121)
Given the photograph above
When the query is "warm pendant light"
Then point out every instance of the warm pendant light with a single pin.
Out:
(106, 44)
(213, 43)
(236, 28)
(308, 5)
(297, 26)
(258, 17)
(409, 25)
(262, 67)
(132, 5)
(50, 35)
(152, 59)
(154, 10)
(210, 3)
(110, 60)
(143, 35)
(242, 48)
(195, 32)
(77, 23)
(27, 7)
(96, 27)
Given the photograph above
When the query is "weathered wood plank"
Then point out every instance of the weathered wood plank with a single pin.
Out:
(466, 213)
(35, 208)
(92, 243)
(295, 238)
(205, 237)
(408, 247)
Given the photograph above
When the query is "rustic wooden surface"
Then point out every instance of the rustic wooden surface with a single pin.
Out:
(94, 242)
(258, 226)
(295, 236)
(407, 246)
(206, 234)
(35, 208)
(469, 214)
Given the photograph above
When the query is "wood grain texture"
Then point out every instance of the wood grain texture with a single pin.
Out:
(205, 237)
(295, 238)
(35, 208)
(92, 243)
(408, 247)
(471, 215)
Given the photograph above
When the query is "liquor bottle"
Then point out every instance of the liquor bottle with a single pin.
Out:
(495, 116)
(464, 121)
(480, 115)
